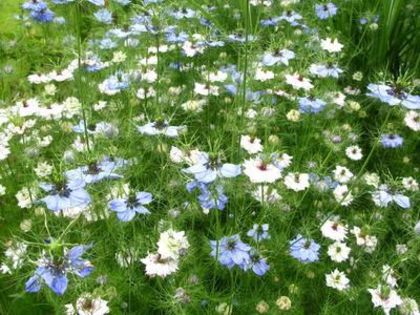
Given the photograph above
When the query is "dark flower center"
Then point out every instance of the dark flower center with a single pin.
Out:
(93, 169)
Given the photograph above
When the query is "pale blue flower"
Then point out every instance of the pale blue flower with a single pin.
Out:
(53, 270)
(126, 208)
(304, 250)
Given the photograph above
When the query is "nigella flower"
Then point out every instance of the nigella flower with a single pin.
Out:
(393, 95)
(383, 196)
(270, 21)
(258, 264)
(97, 171)
(311, 105)
(53, 270)
(183, 13)
(127, 208)
(103, 16)
(231, 251)
(259, 232)
(209, 198)
(391, 140)
(291, 16)
(161, 127)
(279, 56)
(304, 250)
(43, 15)
(207, 170)
(173, 37)
(115, 84)
(324, 11)
(66, 195)
(108, 43)
(324, 71)
(34, 5)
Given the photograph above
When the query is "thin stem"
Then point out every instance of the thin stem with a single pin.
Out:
(79, 67)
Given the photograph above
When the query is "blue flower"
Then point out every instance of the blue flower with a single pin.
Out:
(127, 208)
(324, 11)
(278, 56)
(258, 264)
(44, 15)
(161, 127)
(259, 232)
(34, 5)
(97, 171)
(391, 140)
(231, 251)
(209, 199)
(103, 16)
(53, 270)
(311, 105)
(393, 96)
(304, 250)
(324, 71)
(66, 195)
(207, 170)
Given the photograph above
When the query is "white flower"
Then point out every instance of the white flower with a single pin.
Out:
(354, 153)
(338, 252)
(43, 169)
(2, 190)
(4, 152)
(412, 120)
(158, 266)
(205, 90)
(293, 115)
(409, 307)
(15, 256)
(342, 174)
(282, 161)
(260, 172)
(24, 198)
(251, 145)
(262, 75)
(365, 240)
(298, 81)
(385, 298)
(388, 275)
(372, 179)
(297, 181)
(194, 105)
(334, 230)
(343, 195)
(410, 183)
(176, 155)
(172, 244)
(330, 45)
(87, 304)
(337, 280)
